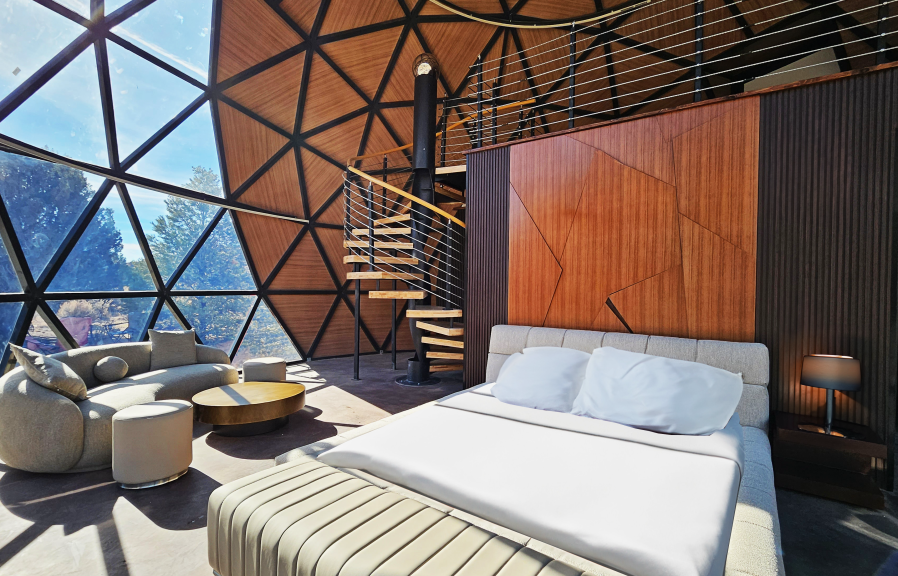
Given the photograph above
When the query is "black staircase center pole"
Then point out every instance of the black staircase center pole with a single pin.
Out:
(426, 70)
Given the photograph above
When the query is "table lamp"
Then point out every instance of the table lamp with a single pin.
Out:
(831, 373)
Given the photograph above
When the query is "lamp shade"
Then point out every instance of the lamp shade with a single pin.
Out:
(831, 372)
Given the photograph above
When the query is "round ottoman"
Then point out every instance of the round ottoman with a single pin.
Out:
(152, 443)
(265, 370)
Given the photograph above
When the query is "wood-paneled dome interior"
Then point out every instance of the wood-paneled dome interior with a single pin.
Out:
(306, 84)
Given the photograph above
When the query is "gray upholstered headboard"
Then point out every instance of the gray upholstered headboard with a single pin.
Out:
(751, 359)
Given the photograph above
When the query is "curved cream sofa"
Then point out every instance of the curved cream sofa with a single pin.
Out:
(42, 431)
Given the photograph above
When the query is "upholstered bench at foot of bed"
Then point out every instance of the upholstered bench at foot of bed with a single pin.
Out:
(308, 518)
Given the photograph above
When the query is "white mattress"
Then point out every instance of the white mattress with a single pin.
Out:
(636, 501)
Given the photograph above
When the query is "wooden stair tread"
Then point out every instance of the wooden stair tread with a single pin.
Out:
(446, 367)
(446, 355)
(375, 275)
(432, 313)
(451, 169)
(443, 342)
(359, 259)
(382, 231)
(381, 245)
(397, 294)
(444, 330)
(393, 219)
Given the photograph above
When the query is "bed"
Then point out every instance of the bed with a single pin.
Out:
(470, 485)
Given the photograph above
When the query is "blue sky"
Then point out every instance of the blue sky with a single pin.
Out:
(65, 115)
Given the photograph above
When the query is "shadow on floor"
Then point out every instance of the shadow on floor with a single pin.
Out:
(302, 428)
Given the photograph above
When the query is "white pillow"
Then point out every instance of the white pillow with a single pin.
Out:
(546, 378)
(659, 394)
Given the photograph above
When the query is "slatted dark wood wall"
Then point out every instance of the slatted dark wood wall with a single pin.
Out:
(486, 277)
(826, 272)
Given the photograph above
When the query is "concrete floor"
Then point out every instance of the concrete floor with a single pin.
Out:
(83, 524)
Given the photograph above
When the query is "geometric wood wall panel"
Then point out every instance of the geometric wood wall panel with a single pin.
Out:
(248, 144)
(348, 14)
(364, 58)
(250, 33)
(267, 239)
(338, 338)
(272, 93)
(277, 189)
(720, 285)
(322, 179)
(548, 176)
(303, 315)
(304, 269)
(529, 254)
(328, 97)
(632, 242)
(716, 184)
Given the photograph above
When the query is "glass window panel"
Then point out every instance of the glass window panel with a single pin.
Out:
(8, 280)
(106, 257)
(41, 338)
(113, 5)
(80, 6)
(65, 115)
(9, 312)
(265, 337)
(188, 151)
(219, 264)
(167, 320)
(171, 225)
(217, 319)
(176, 31)
(29, 36)
(145, 97)
(43, 200)
(107, 321)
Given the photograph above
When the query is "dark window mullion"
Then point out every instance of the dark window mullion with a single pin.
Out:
(284, 327)
(56, 325)
(142, 241)
(247, 255)
(155, 60)
(179, 316)
(160, 134)
(197, 245)
(243, 328)
(106, 101)
(154, 315)
(23, 322)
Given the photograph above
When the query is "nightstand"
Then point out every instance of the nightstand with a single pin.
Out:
(828, 466)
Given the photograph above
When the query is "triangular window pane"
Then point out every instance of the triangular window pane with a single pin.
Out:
(166, 320)
(65, 115)
(82, 7)
(107, 321)
(9, 282)
(107, 257)
(217, 319)
(113, 5)
(219, 264)
(171, 225)
(41, 338)
(175, 31)
(9, 313)
(145, 97)
(190, 147)
(43, 200)
(265, 337)
(31, 36)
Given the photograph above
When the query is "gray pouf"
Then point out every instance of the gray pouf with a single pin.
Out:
(265, 370)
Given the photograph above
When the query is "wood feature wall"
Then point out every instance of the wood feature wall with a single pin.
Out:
(647, 225)
(827, 243)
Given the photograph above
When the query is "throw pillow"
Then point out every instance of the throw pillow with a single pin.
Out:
(51, 373)
(172, 348)
(110, 369)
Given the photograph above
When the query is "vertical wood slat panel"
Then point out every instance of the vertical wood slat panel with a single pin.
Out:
(486, 256)
(827, 245)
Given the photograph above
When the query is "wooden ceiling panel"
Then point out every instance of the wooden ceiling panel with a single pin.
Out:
(554, 10)
(340, 142)
(548, 54)
(334, 213)
(303, 315)
(456, 46)
(278, 189)
(304, 270)
(364, 58)
(303, 12)
(664, 26)
(267, 239)
(379, 139)
(338, 339)
(401, 85)
(322, 179)
(332, 240)
(251, 32)
(273, 94)
(639, 75)
(247, 143)
(348, 14)
(328, 96)
(402, 121)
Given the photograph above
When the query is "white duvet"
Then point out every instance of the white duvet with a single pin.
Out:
(639, 502)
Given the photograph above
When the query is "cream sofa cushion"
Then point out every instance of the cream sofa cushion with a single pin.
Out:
(51, 373)
(172, 348)
(110, 369)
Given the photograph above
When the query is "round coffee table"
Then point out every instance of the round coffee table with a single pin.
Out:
(249, 408)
